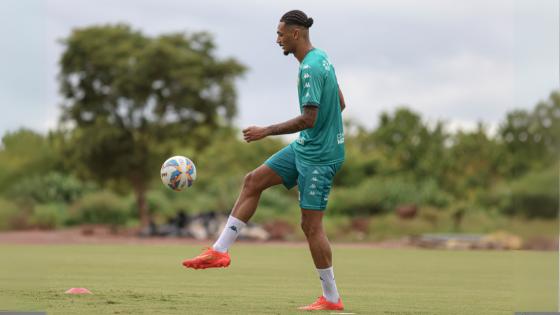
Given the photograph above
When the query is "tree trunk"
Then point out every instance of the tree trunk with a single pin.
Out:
(143, 212)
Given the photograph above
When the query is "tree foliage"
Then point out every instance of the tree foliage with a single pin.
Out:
(24, 153)
(126, 94)
(532, 138)
(131, 100)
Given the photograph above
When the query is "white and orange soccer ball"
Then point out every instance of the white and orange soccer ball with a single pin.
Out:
(178, 172)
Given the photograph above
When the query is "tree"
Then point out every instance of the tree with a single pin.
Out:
(474, 162)
(127, 96)
(410, 144)
(24, 154)
(532, 139)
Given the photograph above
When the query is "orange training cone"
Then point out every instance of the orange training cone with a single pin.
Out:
(78, 291)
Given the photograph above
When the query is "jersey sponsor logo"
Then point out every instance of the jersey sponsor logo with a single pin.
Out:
(307, 85)
(306, 75)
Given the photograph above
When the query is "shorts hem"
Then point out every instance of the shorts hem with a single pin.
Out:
(273, 168)
(312, 208)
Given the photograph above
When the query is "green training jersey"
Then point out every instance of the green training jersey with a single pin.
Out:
(317, 86)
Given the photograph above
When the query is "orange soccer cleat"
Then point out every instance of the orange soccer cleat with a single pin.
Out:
(208, 259)
(323, 304)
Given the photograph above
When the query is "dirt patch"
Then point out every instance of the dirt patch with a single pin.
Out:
(100, 235)
(104, 235)
(83, 236)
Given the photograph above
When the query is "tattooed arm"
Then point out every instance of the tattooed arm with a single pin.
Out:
(301, 122)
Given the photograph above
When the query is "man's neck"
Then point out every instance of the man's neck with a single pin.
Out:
(302, 52)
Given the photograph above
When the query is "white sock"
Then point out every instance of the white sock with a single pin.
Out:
(329, 286)
(229, 234)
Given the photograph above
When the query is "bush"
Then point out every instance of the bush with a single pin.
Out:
(11, 217)
(100, 208)
(53, 187)
(381, 195)
(534, 195)
(388, 226)
(357, 200)
(48, 216)
(279, 199)
(160, 206)
(430, 194)
(476, 221)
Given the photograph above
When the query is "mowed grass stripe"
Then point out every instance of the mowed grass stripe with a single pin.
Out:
(273, 279)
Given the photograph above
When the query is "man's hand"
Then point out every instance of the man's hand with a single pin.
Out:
(254, 133)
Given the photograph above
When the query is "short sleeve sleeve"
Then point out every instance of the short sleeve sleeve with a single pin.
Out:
(312, 79)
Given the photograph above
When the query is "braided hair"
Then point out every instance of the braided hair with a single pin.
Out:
(297, 17)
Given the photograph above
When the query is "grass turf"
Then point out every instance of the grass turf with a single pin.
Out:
(273, 279)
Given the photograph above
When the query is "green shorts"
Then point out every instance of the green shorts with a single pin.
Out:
(314, 181)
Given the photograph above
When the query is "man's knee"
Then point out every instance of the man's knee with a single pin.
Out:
(251, 183)
(311, 228)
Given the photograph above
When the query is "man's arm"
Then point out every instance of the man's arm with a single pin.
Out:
(342, 103)
(301, 122)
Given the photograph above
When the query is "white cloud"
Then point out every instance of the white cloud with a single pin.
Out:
(449, 60)
(461, 88)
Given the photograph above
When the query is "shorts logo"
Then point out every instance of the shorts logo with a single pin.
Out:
(340, 138)
(312, 186)
(314, 179)
(315, 172)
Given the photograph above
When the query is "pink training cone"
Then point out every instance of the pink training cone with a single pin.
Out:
(78, 291)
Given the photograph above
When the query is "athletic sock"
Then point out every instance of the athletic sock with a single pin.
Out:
(229, 234)
(329, 286)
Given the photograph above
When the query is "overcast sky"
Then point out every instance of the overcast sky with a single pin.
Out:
(458, 61)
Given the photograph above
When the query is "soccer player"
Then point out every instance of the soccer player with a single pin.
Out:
(311, 161)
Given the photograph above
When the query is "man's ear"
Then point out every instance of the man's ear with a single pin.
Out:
(296, 33)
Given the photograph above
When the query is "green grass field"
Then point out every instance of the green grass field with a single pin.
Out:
(273, 279)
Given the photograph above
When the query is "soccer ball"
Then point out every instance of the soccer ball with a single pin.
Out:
(178, 172)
